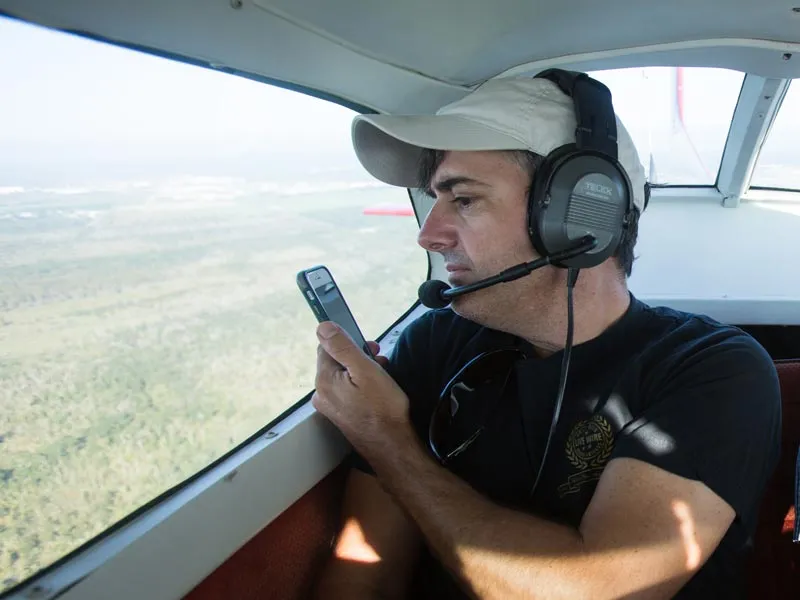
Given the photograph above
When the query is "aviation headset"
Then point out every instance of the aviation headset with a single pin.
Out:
(581, 188)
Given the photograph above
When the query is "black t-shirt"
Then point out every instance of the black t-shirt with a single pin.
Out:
(676, 390)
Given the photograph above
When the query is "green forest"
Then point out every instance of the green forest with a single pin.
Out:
(142, 337)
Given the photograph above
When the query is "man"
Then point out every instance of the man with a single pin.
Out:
(668, 430)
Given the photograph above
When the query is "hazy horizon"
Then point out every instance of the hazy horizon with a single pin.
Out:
(80, 112)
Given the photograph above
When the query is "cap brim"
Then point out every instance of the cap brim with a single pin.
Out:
(389, 147)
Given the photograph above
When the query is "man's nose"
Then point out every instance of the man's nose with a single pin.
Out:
(437, 232)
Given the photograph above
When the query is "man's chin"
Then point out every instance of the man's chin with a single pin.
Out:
(468, 302)
(459, 278)
(476, 305)
(471, 307)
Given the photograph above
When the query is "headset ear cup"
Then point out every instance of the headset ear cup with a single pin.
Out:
(535, 200)
(539, 197)
(578, 193)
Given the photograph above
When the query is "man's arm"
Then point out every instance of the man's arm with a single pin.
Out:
(377, 548)
(653, 520)
(644, 534)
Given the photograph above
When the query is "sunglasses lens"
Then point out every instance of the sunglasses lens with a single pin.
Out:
(438, 428)
(476, 376)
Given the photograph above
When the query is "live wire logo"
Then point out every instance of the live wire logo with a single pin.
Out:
(588, 448)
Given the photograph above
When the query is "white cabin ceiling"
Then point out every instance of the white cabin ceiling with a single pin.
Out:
(416, 55)
(468, 41)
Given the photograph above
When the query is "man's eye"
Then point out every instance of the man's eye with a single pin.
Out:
(463, 201)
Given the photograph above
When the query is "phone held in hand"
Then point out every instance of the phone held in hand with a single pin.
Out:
(327, 303)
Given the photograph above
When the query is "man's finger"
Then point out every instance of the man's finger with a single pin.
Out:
(327, 368)
(340, 346)
(375, 348)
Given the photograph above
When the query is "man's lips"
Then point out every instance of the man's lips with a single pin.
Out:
(455, 268)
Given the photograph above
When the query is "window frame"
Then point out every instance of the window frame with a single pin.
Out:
(297, 448)
(779, 101)
(756, 109)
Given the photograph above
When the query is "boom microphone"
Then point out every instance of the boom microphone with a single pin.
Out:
(430, 293)
(437, 294)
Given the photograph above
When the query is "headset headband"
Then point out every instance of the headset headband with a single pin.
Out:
(581, 189)
(596, 123)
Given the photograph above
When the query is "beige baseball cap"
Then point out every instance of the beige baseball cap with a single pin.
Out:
(502, 114)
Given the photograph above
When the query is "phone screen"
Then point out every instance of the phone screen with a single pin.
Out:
(333, 304)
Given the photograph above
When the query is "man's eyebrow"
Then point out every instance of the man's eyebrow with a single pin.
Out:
(446, 185)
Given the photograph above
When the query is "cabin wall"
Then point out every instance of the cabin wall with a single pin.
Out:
(283, 560)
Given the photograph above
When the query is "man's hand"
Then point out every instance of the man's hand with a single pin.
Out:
(357, 394)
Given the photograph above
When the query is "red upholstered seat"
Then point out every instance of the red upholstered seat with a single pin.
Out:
(284, 559)
(775, 565)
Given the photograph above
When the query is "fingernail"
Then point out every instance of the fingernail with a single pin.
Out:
(326, 330)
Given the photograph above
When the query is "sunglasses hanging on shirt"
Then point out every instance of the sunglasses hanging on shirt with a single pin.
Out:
(486, 377)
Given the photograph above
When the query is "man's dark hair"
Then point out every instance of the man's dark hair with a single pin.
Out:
(531, 162)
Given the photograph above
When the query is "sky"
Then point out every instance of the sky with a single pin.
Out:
(74, 109)
(69, 99)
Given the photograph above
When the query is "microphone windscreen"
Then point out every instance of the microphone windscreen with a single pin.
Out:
(430, 293)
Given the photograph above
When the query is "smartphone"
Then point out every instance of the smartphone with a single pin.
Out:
(327, 303)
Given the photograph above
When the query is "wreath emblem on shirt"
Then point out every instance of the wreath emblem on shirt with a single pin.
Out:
(590, 443)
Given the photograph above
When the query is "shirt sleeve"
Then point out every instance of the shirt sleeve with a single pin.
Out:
(715, 417)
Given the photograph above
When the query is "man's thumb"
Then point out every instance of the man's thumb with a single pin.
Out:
(339, 344)
(327, 329)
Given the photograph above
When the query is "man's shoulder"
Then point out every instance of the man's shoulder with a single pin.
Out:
(693, 342)
(685, 334)
(707, 407)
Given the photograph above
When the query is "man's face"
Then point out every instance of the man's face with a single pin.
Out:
(478, 223)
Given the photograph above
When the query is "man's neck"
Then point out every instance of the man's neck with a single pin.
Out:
(598, 302)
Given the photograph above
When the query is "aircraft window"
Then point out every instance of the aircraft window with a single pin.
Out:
(678, 117)
(153, 216)
(778, 164)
